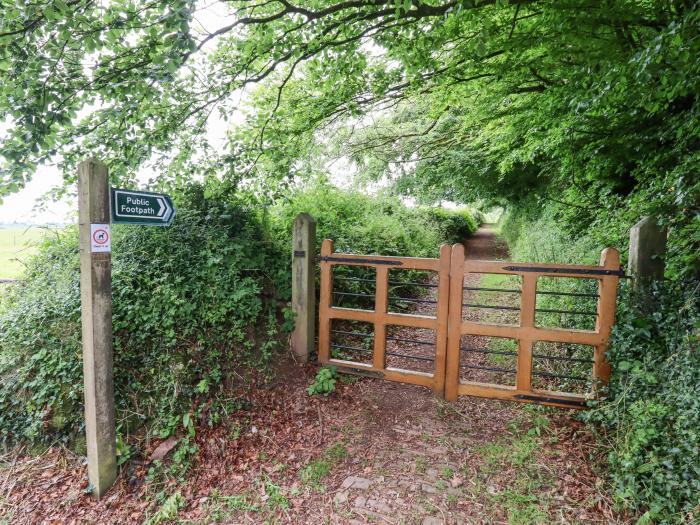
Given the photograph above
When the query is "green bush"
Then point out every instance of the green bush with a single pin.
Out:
(361, 223)
(453, 225)
(356, 222)
(324, 383)
(186, 300)
(651, 419)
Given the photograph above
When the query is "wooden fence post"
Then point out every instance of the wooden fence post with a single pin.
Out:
(304, 285)
(646, 252)
(96, 317)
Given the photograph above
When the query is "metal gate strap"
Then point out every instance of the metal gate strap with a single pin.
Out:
(411, 300)
(326, 258)
(420, 358)
(577, 271)
(402, 340)
(491, 369)
(563, 358)
(352, 294)
(485, 351)
(545, 399)
(353, 348)
(515, 290)
(398, 283)
(416, 341)
(358, 334)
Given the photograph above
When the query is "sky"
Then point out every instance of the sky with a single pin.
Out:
(21, 207)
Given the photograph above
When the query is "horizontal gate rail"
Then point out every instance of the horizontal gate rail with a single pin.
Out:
(527, 333)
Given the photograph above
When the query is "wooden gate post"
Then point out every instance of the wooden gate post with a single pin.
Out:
(607, 303)
(646, 252)
(304, 285)
(96, 317)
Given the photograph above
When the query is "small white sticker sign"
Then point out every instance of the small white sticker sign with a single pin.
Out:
(100, 238)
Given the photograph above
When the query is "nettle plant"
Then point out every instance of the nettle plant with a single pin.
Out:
(325, 380)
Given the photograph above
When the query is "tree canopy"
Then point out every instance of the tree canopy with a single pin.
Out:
(592, 105)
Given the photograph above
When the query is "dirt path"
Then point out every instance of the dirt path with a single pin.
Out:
(372, 452)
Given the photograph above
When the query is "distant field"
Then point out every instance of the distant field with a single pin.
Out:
(16, 244)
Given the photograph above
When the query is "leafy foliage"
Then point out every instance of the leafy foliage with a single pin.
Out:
(361, 223)
(651, 418)
(324, 383)
(654, 417)
(184, 299)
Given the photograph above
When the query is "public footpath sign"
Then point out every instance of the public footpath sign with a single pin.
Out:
(141, 207)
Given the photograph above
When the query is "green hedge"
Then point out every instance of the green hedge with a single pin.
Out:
(185, 301)
(453, 225)
(653, 418)
(380, 225)
(191, 304)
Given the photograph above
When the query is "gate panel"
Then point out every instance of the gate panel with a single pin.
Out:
(380, 317)
(449, 326)
(528, 333)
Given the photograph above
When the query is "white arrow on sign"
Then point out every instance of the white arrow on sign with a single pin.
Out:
(165, 210)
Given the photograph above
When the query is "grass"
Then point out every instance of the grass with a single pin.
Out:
(421, 465)
(313, 473)
(224, 509)
(168, 510)
(523, 493)
(16, 245)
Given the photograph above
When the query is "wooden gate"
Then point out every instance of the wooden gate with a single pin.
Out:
(447, 322)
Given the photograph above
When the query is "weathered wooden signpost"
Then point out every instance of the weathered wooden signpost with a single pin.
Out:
(127, 207)
(303, 285)
(96, 316)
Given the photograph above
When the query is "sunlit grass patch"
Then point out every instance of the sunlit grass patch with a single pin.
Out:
(17, 244)
(313, 474)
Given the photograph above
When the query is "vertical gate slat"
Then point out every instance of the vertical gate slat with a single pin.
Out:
(324, 304)
(528, 301)
(381, 299)
(443, 308)
(454, 325)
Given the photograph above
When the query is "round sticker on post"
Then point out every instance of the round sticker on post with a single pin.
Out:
(100, 238)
